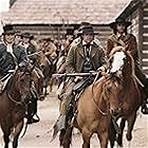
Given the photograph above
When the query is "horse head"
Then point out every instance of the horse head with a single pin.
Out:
(120, 63)
(121, 68)
(20, 84)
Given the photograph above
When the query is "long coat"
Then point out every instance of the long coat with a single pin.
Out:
(9, 61)
(76, 58)
(129, 42)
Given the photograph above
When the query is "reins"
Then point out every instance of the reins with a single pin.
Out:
(9, 95)
(98, 108)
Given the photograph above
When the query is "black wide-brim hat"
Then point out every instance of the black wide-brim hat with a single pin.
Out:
(119, 21)
(27, 35)
(8, 29)
(86, 29)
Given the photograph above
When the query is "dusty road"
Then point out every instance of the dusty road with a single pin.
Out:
(39, 135)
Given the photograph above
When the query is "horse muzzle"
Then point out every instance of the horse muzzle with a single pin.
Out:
(26, 97)
(116, 111)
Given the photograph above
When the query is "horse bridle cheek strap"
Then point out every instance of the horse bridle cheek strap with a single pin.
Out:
(13, 100)
(98, 108)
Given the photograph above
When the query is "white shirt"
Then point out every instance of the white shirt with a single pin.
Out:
(9, 48)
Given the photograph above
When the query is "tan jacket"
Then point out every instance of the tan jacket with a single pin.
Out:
(76, 57)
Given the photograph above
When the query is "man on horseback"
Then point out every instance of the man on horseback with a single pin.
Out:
(12, 54)
(121, 37)
(31, 49)
(84, 57)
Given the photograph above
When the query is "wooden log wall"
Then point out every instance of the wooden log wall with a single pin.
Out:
(54, 31)
(145, 39)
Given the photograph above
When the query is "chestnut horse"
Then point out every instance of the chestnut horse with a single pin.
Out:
(126, 96)
(114, 95)
(13, 106)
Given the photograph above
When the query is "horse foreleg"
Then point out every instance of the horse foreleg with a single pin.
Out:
(86, 135)
(131, 121)
(18, 130)
(6, 140)
(120, 136)
(50, 84)
(6, 131)
(103, 137)
(112, 134)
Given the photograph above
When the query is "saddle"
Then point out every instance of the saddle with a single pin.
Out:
(78, 89)
(82, 84)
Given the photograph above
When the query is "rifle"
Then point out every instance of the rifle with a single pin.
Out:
(35, 53)
(76, 74)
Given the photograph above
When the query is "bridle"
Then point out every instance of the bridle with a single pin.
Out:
(10, 83)
(98, 108)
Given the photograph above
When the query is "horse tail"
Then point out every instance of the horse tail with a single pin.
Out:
(112, 134)
(61, 137)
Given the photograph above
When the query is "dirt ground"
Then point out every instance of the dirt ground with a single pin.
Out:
(39, 135)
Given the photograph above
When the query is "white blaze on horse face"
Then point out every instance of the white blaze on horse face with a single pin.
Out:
(118, 61)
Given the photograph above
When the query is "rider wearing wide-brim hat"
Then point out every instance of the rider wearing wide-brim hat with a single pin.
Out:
(121, 37)
(83, 57)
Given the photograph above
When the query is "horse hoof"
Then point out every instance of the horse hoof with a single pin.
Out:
(129, 137)
(119, 141)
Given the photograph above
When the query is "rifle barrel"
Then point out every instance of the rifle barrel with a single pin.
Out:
(74, 74)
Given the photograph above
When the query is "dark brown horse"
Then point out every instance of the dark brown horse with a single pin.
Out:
(12, 105)
(124, 92)
(115, 95)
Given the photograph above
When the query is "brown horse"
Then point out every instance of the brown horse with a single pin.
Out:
(115, 95)
(12, 105)
(92, 116)
(48, 59)
(126, 95)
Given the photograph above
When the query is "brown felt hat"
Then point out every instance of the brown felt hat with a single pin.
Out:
(120, 21)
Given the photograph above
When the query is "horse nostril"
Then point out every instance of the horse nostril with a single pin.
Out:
(116, 111)
(119, 109)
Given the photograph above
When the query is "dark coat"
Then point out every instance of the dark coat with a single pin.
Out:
(9, 61)
(76, 58)
(30, 50)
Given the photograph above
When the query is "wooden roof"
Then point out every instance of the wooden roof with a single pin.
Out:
(64, 11)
